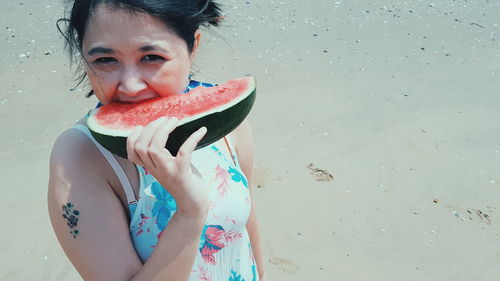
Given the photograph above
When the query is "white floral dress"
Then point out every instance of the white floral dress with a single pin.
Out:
(224, 252)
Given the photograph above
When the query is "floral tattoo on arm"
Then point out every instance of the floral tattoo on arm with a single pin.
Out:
(71, 216)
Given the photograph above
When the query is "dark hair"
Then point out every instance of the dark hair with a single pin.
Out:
(183, 17)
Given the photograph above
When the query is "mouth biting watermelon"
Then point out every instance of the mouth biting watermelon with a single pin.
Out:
(220, 108)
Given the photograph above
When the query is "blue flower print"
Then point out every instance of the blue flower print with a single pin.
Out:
(193, 84)
(235, 276)
(237, 176)
(214, 148)
(207, 85)
(164, 206)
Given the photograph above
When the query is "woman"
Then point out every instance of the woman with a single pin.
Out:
(153, 216)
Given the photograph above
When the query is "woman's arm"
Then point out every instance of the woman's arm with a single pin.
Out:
(93, 228)
(243, 140)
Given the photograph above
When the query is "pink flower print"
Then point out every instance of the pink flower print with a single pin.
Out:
(211, 204)
(203, 274)
(144, 219)
(213, 239)
(212, 242)
(224, 177)
(232, 235)
(159, 235)
(230, 220)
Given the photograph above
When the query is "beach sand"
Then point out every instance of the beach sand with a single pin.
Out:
(376, 130)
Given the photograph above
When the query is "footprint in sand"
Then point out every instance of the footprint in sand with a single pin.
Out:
(285, 265)
(319, 174)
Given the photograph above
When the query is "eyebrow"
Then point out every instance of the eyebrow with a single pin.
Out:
(153, 47)
(102, 50)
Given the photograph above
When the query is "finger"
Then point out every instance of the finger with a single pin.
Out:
(131, 140)
(157, 147)
(161, 137)
(187, 148)
(142, 146)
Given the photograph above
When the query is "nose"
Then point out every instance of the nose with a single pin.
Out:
(131, 82)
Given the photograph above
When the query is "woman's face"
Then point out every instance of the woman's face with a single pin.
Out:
(134, 56)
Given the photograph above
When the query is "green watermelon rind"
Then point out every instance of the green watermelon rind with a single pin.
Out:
(218, 124)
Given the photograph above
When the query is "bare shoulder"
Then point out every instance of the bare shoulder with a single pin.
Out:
(72, 148)
(75, 158)
(242, 137)
(86, 215)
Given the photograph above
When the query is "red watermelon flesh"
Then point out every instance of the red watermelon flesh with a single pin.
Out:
(119, 118)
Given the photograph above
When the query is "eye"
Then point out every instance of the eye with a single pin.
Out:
(105, 60)
(153, 58)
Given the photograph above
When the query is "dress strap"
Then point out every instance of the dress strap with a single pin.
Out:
(232, 150)
(122, 177)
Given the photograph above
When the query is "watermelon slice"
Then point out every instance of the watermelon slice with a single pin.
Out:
(220, 108)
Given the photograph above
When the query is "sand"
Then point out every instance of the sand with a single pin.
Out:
(376, 129)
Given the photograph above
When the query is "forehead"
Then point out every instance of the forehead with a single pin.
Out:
(118, 26)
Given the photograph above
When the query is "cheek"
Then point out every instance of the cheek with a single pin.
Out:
(171, 80)
(102, 84)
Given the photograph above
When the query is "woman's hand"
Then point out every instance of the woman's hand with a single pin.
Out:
(146, 147)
